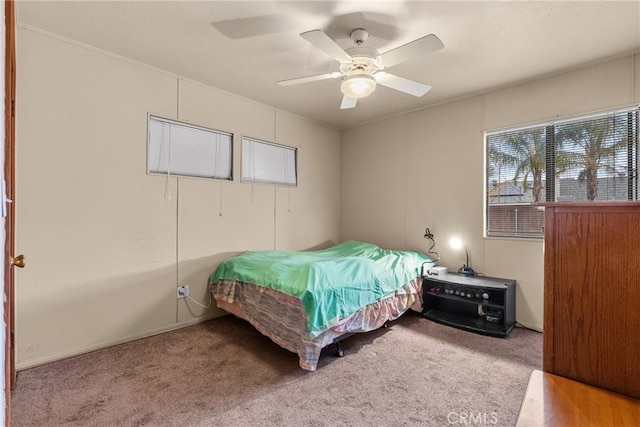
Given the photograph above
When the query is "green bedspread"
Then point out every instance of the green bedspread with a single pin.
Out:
(331, 283)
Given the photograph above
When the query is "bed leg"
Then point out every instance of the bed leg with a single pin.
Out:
(339, 349)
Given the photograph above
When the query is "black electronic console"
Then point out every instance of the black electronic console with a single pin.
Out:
(486, 305)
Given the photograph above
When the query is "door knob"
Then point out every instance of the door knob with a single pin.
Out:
(17, 261)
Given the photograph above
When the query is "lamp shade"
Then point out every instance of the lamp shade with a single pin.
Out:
(456, 243)
(465, 270)
(358, 85)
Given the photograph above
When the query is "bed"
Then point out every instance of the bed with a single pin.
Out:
(304, 301)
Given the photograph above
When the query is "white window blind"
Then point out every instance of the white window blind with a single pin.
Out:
(183, 149)
(571, 160)
(268, 163)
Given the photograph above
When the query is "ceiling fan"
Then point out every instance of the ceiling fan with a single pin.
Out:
(362, 68)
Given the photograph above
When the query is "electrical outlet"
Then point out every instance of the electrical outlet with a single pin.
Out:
(182, 291)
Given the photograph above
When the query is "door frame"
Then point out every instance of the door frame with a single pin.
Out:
(9, 153)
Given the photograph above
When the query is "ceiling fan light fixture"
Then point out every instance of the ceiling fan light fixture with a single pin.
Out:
(358, 86)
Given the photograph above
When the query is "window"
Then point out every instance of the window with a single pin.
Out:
(268, 163)
(592, 158)
(182, 149)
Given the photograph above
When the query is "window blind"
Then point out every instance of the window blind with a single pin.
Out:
(592, 158)
(596, 158)
(183, 149)
(268, 163)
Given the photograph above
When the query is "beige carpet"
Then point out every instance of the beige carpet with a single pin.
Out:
(224, 373)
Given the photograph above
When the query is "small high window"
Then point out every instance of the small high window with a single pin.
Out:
(268, 163)
(176, 148)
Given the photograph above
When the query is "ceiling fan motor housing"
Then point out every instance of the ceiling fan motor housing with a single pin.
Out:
(359, 65)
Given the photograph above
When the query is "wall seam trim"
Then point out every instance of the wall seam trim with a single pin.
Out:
(634, 95)
(406, 180)
(275, 188)
(177, 210)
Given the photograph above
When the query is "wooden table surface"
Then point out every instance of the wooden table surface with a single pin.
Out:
(554, 401)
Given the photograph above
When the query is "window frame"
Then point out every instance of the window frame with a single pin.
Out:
(550, 130)
(168, 172)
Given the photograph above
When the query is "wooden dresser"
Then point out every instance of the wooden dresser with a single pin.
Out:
(592, 294)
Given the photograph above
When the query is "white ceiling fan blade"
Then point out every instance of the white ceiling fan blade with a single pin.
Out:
(400, 83)
(307, 79)
(410, 50)
(348, 102)
(326, 44)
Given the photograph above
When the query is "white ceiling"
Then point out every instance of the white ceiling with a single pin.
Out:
(245, 47)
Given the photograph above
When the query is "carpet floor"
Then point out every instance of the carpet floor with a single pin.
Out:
(224, 373)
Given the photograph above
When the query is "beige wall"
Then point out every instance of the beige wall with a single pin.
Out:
(372, 188)
(426, 169)
(105, 245)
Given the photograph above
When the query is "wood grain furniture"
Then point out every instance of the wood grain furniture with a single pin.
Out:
(552, 401)
(592, 294)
